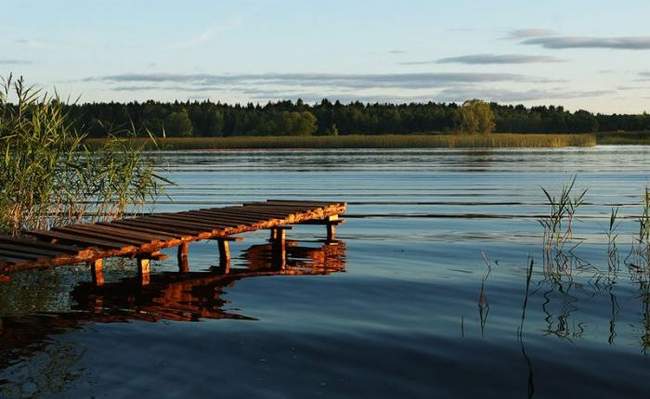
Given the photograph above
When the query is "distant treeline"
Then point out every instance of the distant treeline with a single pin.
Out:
(210, 119)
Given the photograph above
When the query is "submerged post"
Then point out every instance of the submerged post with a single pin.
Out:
(143, 271)
(183, 257)
(97, 271)
(331, 222)
(279, 247)
(224, 251)
(331, 231)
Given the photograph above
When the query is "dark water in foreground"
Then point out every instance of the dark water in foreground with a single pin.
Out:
(404, 306)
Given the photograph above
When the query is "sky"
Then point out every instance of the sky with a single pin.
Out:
(592, 55)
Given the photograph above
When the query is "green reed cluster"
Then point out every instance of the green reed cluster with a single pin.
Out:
(639, 257)
(558, 225)
(558, 230)
(48, 176)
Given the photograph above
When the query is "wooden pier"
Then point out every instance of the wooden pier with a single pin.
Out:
(142, 238)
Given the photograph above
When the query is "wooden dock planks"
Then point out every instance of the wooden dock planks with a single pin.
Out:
(145, 235)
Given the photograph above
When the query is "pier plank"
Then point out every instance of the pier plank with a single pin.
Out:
(144, 236)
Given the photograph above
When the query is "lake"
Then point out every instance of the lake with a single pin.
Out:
(427, 294)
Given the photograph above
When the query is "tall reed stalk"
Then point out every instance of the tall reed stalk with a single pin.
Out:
(613, 258)
(639, 257)
(558, 225)
(644, 220)
(49, 177)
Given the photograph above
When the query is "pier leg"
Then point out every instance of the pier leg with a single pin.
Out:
(97, 271)
(98, 304)
(274, 235)
(183, 257)
(143, 271)
(331, 232)
(224, 268)
(224, 253)
(279, 248)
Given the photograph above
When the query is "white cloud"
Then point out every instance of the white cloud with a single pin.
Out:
(573, 42)
(485, 59)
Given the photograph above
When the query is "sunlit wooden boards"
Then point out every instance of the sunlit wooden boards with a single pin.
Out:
(145, 235)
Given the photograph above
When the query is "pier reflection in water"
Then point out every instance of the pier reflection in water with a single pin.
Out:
(177, 296)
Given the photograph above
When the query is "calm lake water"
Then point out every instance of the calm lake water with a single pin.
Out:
(425, 295)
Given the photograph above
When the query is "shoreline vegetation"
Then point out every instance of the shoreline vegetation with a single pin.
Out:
(494, 140)
(50, 177)
(326, 118)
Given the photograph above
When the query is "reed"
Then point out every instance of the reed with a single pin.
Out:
(369, 141)
(644, 220)
(558, 225)
(50, 177)
(612, 235)
(639, 258)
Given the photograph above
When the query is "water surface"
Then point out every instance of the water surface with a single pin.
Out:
(425, 295)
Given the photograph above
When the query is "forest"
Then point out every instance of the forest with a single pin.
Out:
(216, 119)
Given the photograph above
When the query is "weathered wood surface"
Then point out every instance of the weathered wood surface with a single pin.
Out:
(146, 235)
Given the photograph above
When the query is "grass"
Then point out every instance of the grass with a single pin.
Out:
(366, 141)
(624, 138)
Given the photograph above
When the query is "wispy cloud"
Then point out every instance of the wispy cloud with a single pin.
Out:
(456, 94)
(396, 52)
(346, 81)
(175, 88)
(14, 62)
(451, 94)
(31, 43)
(573, 42)
(485, 59)
(631, 88)
(198, 39)
(209, 34)
(313, 97)
(519, 34)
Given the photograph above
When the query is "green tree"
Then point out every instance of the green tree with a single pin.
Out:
(331, 131)
(214, 123)
(178, 124)
(294, 123)
(475, 116)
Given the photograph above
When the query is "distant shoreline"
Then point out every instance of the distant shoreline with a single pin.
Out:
(494, 140)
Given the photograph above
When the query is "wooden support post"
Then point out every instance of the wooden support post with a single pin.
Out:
(279, 249)
(224, 251)
(183, 257)
(98, 304)
(224, 267)
(280, 237)
(274, 234)
(97, 271)
(331, 232)
(143, 271)
(330, 223)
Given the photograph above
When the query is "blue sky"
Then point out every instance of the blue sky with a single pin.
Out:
(593, 55)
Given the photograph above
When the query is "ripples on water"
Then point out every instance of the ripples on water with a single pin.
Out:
(403, 307)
